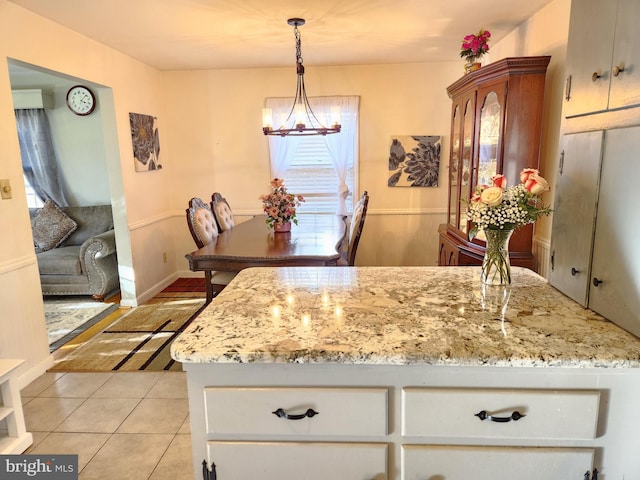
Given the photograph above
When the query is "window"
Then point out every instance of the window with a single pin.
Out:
(321, 168)
(312, 174)
(39, 163)
(33, 200)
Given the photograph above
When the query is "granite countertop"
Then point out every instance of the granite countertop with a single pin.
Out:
(400, 316)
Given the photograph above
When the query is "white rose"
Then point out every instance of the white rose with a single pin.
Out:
(491, 196)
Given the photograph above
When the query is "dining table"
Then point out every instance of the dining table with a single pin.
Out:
(316, 240)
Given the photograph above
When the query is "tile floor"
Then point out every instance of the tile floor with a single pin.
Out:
(122, 425)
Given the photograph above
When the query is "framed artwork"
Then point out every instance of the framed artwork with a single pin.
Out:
(414, 161)
(146, 142)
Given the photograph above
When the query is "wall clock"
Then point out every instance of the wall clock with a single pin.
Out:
(81, 100)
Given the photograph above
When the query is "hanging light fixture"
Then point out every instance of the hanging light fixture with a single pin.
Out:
(301, 119)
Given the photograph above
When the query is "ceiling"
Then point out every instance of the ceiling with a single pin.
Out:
(212, 34)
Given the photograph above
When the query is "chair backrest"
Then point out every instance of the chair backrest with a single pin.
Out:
(355, 229)
(222, 212)
(202, 224)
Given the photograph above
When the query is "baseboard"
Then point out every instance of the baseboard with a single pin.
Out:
(34, 372)
(542, 255)
(151, 292)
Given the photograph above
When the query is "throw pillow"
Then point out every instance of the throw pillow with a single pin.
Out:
(51, 226)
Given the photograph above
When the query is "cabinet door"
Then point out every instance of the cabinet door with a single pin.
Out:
(490, 115)
(491, 463)
(466, 158)
(574, 213)
(454, 163)
(625, 81)
(309, 461)
(588, 53)
(616, 251)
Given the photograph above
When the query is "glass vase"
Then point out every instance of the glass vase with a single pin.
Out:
(496, 269)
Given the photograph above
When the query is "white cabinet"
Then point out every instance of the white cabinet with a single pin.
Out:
(574, 214)
(603, 56)
(491, 463)
(500, 413)
(615, 271)
(14, 438)
(424, 423)
(595, 258)
(298, 460)
(296, 411)
(296, 432)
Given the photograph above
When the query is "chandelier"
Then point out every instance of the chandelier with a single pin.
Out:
(301, 119)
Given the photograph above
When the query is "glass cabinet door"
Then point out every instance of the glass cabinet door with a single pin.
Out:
(454, 167)
(465, 164)
(489, 138)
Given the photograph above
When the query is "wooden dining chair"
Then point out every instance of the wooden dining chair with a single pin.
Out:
(204, 230)
(355, 230)
(222, 212)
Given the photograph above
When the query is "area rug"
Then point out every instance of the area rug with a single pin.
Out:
(185, 287)
(66, 317)
(139, 340)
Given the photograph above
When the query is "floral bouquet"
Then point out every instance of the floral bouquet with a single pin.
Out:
(279, 205)
(498, 211)
(475, 46)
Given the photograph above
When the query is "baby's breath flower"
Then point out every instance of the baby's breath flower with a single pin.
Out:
(519, 206)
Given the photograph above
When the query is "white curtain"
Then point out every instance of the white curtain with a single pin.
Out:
(281, 149)
(340, 145)
(39, 162)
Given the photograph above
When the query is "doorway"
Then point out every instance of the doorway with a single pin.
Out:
(86, 147)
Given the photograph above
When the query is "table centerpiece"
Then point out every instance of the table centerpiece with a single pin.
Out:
(498, 211)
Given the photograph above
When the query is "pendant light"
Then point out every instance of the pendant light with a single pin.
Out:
(301, 119)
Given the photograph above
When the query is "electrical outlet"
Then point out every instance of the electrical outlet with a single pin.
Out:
(5, 189)
(164, 257)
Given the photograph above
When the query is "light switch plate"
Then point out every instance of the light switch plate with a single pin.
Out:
(5, 189)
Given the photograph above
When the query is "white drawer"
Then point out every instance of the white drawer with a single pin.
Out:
(340, 411)
(308, 461)
(491, 463)
(452, 412)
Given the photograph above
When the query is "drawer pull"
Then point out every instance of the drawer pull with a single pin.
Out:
(515, 416)
(282, 414)
(587, 476)
(209, 474)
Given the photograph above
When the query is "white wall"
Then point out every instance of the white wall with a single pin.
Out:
(78, 141)
(129, 86)
(546, 33)
(214, 134)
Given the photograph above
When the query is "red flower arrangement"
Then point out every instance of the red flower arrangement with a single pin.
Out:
(475, 46)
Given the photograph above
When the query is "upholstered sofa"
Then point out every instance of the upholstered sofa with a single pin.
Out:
(76, 250)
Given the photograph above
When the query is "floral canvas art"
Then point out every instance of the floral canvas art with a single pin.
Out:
(146, 142)
(414, 161)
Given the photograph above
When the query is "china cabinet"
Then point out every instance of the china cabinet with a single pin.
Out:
(602, 56)
(496, 122)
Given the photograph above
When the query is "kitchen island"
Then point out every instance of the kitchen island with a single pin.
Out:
(407, 373)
